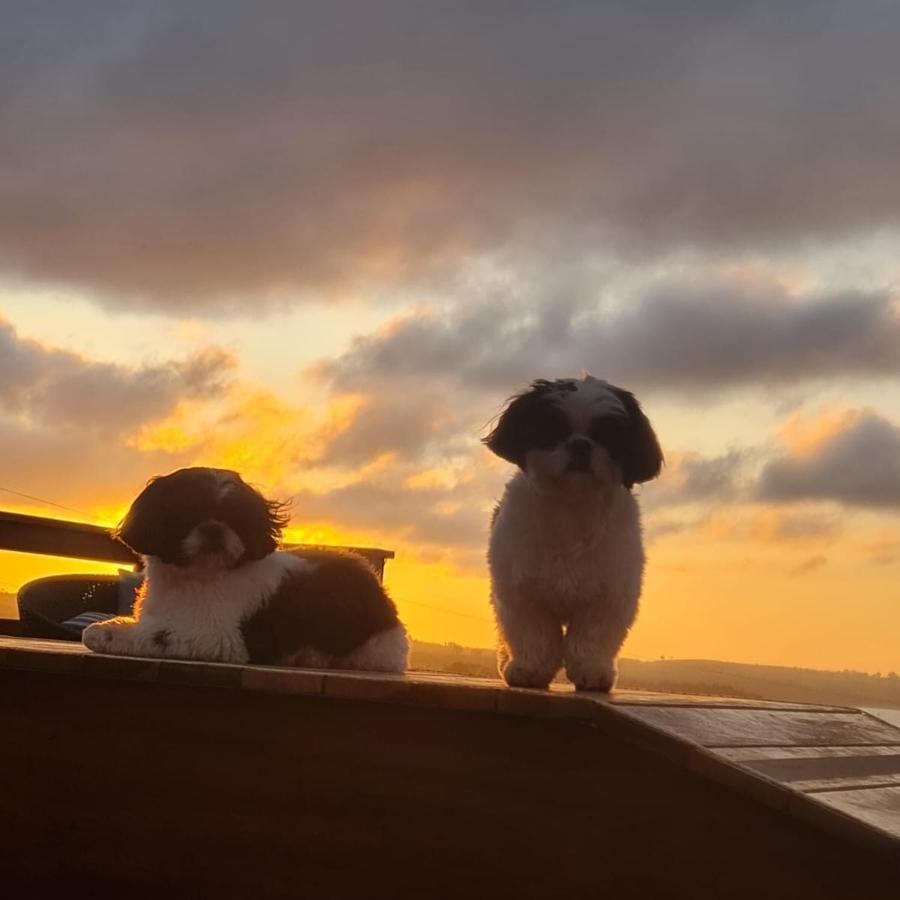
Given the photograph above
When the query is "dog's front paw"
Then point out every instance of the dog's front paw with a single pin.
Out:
(593, 678)
(98, 637)
(517, 674)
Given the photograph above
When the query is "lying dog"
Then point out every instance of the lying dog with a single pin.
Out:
(565, 548)
(217, 589)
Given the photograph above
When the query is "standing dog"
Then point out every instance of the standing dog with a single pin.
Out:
(566, 554)
(216, 587)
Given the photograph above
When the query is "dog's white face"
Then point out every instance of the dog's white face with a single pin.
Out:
(203, 521)
(577, 434)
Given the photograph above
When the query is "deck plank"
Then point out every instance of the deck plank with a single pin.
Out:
(822, 768)
(876, 806)
(763, 727)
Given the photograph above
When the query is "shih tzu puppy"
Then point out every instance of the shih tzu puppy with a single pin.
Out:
(566, 554)
(216, 588)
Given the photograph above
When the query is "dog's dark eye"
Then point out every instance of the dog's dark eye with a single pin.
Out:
(610, 432)
(549, 429)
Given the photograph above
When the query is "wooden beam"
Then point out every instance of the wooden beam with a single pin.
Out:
(57, 537)
(78, 540)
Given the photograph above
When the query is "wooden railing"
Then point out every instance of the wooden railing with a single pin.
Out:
(56, 537)
(78, 540)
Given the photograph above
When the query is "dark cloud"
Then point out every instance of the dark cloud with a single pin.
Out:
(64, 392)
(677, 336)
(692, 478)
(453, 517)
(785, 525)
(407, 423)
(657, 526)
(157, 149)
(858, 465)
(73, 468)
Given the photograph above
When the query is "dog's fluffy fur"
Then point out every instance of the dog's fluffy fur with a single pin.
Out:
(216, 588)
(566, 554)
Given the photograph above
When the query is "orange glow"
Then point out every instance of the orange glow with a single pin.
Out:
(251, 431)
(439, 604)
(749, 607)
(17, 568)
(751, 583)
(804, 434)
(731, 594)
(315, 534)
(430, 478)
(768, 526)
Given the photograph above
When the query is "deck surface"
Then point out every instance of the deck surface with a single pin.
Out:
(837, 768)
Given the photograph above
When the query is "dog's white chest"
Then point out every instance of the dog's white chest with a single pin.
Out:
(193, 618)
(567, 561)
(569, 572)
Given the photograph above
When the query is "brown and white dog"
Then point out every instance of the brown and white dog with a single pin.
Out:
(566, 554)
(216, 587)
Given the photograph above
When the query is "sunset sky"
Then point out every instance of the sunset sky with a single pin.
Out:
(321, 243)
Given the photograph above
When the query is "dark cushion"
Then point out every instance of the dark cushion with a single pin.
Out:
(46, 603)
(77, 624)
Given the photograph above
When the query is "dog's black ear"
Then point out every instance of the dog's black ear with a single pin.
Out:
(144, 528)
(515, 432)
(507, 438)
(261, 525)
(643, 457)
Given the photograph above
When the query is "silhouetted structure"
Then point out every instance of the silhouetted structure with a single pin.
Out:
(140, 777)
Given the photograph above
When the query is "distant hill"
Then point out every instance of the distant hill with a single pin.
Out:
(700, 676)
(675, 676)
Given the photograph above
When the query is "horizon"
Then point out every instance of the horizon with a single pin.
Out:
(324, 249)
(7, 607)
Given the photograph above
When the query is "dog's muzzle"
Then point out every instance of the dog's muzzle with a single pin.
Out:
(212, 540)
(580, 452)
(210, 537)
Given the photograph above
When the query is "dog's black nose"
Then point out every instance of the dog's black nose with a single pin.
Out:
(580, 449)
(210, 534)
(580, 446)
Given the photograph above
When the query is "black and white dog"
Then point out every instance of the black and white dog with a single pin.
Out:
(216, 587)
(566, 553)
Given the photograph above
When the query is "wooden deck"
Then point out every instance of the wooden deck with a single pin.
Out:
(149, 778)
(433, 786)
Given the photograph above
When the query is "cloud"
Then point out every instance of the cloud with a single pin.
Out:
(77, 470)
(856, 462)
(155, 150)
(677, 336)
(399, 467)
(693, 478)
(810, 564)
(62, 390)
(770, 525)
(453, 520)
(657, 526)
(407, 423)
(69, 424)
(881, 549)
